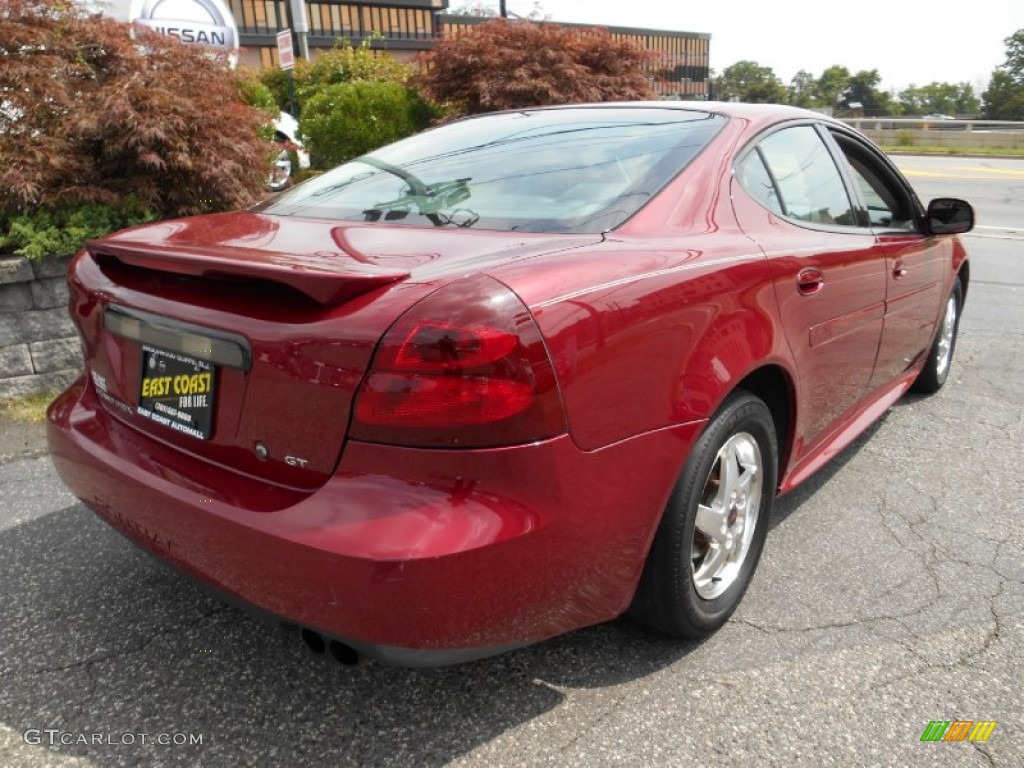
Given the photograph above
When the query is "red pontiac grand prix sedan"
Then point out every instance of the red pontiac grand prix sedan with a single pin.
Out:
(512, 376)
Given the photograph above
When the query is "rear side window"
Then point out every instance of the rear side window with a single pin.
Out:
(807, 181)
(755, 179)
(563, 170)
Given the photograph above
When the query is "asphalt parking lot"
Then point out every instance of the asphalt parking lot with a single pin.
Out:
(890, 594)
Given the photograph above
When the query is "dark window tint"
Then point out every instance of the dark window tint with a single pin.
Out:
(807, 178)
(563, 170)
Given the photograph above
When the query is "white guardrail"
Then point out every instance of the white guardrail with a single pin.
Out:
(934, 124)
(921, 131)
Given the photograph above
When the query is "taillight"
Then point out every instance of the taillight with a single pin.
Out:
(465, 367)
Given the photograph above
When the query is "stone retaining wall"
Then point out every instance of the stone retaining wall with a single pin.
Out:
(39, 350)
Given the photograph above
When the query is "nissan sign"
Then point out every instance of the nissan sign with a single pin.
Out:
(206, 23)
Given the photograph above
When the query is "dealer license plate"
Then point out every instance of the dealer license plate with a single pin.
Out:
(177, 391)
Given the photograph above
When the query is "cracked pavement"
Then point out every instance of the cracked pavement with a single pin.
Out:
(890, 594)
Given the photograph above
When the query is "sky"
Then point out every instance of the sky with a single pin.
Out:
(911, 42)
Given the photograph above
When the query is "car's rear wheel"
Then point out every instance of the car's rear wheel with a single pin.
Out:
(940, 357)
(713, 530)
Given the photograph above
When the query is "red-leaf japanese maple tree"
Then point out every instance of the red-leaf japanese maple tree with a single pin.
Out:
(504, 64)
(93, 112)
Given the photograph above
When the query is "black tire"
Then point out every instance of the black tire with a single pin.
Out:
(940, 357)
(675, 594)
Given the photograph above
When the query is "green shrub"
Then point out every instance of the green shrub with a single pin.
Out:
(342, 64)
(277, 81)
(254, 93)
(346, 120)
(905, 138)
(346, 64)
(63, 231)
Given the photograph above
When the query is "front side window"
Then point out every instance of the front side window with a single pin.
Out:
(889, 206)
(563, 170)
(806, 178)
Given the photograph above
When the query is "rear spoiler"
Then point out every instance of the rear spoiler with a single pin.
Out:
(327, 278)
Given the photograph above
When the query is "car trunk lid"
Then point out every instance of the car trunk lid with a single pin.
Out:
(242, 338)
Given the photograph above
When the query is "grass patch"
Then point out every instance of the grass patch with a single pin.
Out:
(934, 149)
(30, 408)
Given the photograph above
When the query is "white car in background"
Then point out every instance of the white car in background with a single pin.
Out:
(286, 133)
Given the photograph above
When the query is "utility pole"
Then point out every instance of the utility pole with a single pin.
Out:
(502, 9)
(295, 12)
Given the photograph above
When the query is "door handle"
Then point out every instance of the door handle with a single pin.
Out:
(898, 270)
(810, 281)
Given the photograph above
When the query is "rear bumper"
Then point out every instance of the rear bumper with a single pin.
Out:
(412, 556)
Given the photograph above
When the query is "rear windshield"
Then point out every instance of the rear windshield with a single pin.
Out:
(563, 170)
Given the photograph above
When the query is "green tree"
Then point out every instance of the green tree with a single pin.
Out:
(912, 100)
(940, 98)
(864, 89)
(802, 91)
(833, 85)
(1004, 99)
(1015, 55)
(750, 82)
(967, 101)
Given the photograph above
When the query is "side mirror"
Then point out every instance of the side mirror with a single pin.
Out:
(949, 216)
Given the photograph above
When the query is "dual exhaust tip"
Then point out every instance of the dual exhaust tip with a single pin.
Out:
(318, 645)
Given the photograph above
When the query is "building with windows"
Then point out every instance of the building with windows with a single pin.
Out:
(400, 27)
(405, 27)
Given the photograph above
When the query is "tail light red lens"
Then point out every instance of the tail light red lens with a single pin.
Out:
(445, 347)
(465, 367)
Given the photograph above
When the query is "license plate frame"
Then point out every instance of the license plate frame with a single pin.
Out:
(177, 391)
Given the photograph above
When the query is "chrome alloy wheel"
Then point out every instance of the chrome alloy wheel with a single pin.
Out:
(727, 515)
(945, 349)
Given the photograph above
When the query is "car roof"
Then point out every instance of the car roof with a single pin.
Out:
(757, 114)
